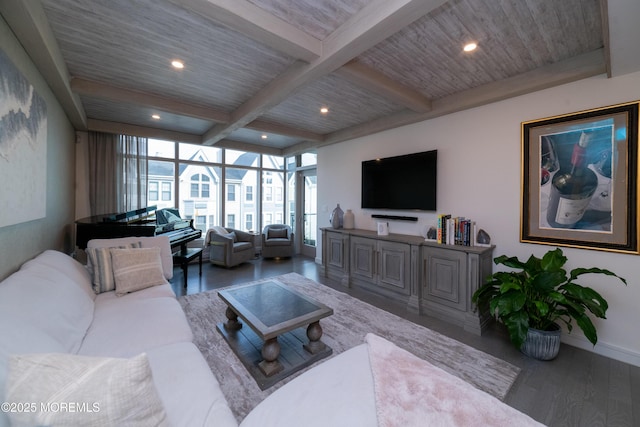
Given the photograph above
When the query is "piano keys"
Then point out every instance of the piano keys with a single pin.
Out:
(147, 221)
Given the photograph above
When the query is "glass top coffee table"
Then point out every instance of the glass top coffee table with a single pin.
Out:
(276, 345)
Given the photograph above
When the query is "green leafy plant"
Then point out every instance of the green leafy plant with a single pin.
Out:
(540, 294)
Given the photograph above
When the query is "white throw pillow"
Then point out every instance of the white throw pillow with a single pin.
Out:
(135, 269)
(100, 266)
(71, 390)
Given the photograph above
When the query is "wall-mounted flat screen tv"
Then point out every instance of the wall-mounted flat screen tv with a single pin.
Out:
(401, 182)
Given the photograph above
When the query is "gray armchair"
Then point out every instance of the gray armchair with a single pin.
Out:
(229, 247)
(277, 241)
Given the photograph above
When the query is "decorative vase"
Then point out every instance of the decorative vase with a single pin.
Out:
(542, 345)
(336, 218)
(349, 220)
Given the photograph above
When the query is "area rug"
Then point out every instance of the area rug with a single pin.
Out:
(346, 328)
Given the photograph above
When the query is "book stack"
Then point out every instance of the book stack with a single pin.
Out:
(456, 230)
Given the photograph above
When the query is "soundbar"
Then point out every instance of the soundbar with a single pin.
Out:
(395, 217)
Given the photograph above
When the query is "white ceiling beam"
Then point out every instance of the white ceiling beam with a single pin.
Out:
(28, 22)
(257, 24)
(114, 93)
(374, 81)
(278, 129)
(142, 131)
(371, 25)
(572, 69)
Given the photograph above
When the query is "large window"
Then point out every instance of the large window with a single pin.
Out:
(189, 177)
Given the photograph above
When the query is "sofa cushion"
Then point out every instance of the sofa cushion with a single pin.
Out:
(161, 242)
(127, 325)
(103, 391)
(278, 242)
(200, 401)
(46, 300)
(75, 272)
(136, 269)
(341, 386)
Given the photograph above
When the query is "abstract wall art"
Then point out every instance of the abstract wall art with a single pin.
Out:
(23, 147)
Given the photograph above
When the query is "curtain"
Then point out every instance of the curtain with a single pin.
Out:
(132, 175)
(102, 151)
(117, 172)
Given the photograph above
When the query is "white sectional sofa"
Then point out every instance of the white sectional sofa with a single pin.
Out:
(133, 357)
(49, 306)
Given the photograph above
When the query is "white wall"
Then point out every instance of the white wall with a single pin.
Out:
(479, 170)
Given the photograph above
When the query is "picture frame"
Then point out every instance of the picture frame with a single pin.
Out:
(584, 197)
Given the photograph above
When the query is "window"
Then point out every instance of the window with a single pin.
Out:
(189, 177)
(201, 223)
(200, 185)
(153, 191)
(166, 191)
(231, 193)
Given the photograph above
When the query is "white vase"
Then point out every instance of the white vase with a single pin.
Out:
(348, 220)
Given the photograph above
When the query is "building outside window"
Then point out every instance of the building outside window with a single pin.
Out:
(189, 177)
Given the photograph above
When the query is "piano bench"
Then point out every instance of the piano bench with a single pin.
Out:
(184, 257)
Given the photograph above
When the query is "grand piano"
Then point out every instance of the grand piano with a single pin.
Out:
(148, 221)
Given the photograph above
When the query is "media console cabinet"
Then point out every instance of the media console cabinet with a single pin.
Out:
(432, 279)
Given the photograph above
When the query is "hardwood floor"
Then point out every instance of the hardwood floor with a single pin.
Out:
(578, 388)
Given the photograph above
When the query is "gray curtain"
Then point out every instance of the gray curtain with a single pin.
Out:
(132, 175)
(117, 172)
(102, 151)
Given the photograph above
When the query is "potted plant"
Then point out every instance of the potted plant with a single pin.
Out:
(532, 300)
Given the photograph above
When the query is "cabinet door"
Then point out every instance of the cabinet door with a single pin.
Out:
(394, 266)
(363, 260)
(445, 277)
(335, 251)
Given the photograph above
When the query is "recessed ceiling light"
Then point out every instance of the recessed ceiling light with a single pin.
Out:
(177, 64)
(470, 47)
(263, 136)
(155, 117)
(324, 110)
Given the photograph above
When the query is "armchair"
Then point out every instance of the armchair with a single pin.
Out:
(229, 247)
(277, 241)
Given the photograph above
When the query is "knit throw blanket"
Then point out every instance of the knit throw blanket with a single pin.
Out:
(410, 391)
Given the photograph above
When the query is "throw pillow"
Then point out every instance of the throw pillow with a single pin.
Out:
(280, 233)
(136, 269)
(100, 267)
(72, 390)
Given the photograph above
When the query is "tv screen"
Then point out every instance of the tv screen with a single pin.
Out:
(400, 182)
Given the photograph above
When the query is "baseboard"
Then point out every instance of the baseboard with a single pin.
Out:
(318, 260)
(614, 352)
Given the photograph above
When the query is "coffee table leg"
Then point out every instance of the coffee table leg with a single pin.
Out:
(232, 323)
(314, 333)
(270, 352)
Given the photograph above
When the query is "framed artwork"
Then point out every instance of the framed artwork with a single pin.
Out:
(580, 179)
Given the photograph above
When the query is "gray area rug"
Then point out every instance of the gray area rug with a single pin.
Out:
(351, 321)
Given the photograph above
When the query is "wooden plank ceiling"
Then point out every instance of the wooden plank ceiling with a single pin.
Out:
(255, 67)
